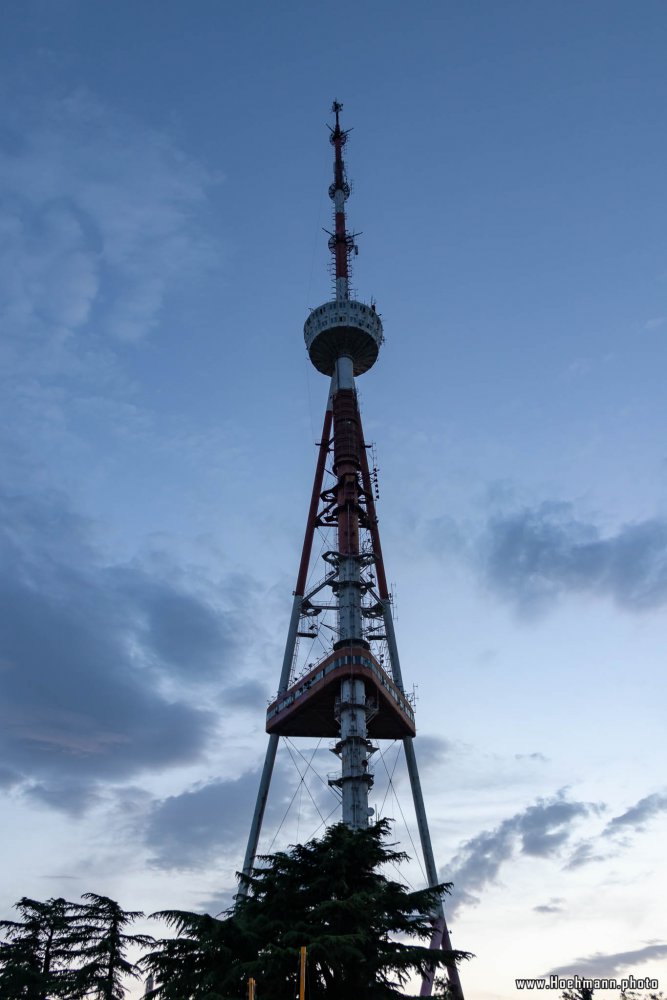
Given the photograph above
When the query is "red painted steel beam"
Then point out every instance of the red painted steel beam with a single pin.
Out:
(346, 468)
(314, 502)
(338, 137)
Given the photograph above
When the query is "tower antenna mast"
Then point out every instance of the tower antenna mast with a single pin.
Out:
(341, 243)
(355, 693)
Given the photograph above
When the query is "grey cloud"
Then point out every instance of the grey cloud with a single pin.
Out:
(636, 816)
(584, 853)
(478, 863)
(191, 829)
(188, 830)
(539, 831)
(599, 965)
(431, 750)
(83, 647)
(548, 908)
(74, 701)
(633, 819)
(184, 632)
(203, 823)
(249, 694)
(536, 756)
(71, 797)
(545, 827)
(532, 557)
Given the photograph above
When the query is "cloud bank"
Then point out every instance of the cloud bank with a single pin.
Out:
(534, 556)
(541, 830)
(619, 963)
(203, 823)
(100, 664)
(636, 817)
(105, 238)
(616, 834)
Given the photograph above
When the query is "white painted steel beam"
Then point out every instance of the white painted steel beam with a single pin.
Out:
(441, 933)
(272, 748)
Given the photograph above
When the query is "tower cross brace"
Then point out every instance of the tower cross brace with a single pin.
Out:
(349, 694)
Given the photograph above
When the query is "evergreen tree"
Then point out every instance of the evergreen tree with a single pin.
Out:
(192, 965)
(100, 948)
(36, 956)
(359, 926)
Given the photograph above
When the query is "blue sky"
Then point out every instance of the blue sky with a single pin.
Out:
(164, 171)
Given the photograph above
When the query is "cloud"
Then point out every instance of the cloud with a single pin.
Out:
(248, 694)
(584, 853)
(432, 751)
(100, 218)
(105, 239)
(189, 830)
(544, 827)
(636, 816)
(183, 632)
(71, 797)
(633, 819)
(553, 906)
(204, 823)
(607, 966)
(99, 663)
(655, 323)
(534, 556)
(541, 830)
(201, 824)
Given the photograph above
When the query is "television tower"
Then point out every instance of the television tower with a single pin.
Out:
(354, 693)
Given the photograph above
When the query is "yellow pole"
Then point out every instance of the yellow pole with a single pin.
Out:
(251, 989)
(302, 986)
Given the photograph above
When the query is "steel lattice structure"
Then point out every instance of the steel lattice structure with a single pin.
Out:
(355, 692)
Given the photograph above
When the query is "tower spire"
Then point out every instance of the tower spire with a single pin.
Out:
(354, 692)
(341, 243)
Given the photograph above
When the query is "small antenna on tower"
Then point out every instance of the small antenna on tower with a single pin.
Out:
(374, 472)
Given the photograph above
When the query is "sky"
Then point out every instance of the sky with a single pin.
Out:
(163, 187)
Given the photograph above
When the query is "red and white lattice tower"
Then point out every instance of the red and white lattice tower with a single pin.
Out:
(354, 693)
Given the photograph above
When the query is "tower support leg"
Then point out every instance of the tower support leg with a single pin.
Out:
(260, 806)
(290, 644)
(272, 748)
(440, 936)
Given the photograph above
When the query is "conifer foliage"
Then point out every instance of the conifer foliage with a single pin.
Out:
(365, 933)
(68, 951)
(363, 930)
(101, 942)
(34, 957)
